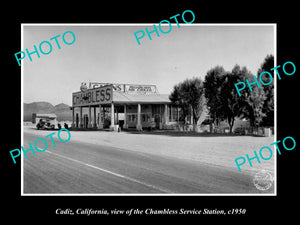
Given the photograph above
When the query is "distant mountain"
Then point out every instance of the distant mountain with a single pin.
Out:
(62, 107)
(61, 110)
(41, 107)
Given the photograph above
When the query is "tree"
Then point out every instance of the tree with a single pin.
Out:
(177, 98)
(268, 106)
(231, 104)
(189, 96)
(223, 101)
(255, 102)
(212, 86)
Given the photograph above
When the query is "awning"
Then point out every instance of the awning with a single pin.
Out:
(129, 98)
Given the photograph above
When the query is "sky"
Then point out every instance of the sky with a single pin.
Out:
(109, 53)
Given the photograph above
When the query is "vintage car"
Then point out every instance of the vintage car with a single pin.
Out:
(45, 124)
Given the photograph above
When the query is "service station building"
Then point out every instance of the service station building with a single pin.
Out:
(122, 106)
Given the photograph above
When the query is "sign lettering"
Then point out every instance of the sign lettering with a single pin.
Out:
(101, 95)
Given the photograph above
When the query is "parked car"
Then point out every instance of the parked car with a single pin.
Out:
(45, 124)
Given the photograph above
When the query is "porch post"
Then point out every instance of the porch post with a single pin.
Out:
(112, 117)
(80, 117)
(125, 117)
(73, 116)
(95, 121)
(166, 115)
(139, 124)
(90, 118)
(100, 125)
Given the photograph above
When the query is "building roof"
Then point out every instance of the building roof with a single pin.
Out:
(45, 115)
(124, 97)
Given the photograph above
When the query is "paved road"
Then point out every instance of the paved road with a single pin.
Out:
(75, 167)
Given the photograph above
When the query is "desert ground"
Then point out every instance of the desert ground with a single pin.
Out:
(148, 162)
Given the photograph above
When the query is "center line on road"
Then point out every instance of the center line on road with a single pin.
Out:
(113, 173)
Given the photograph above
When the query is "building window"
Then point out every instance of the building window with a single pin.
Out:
(146, 118)
(174, 113)
(131, 118)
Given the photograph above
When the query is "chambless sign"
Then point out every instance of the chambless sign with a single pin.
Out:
(101, 95)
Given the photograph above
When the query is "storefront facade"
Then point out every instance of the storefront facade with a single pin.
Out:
(122, 105)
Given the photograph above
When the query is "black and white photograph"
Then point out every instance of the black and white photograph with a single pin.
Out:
(160, 117)
(144, 112)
